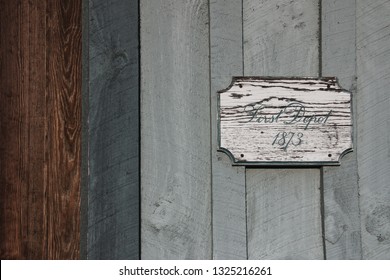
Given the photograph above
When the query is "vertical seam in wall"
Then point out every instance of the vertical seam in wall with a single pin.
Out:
(320, 38)
(211, 140)
(245, 169)
(322, 198)
(139, 136)
(242, 38)
(246, 215)
(85, 132)
(355, 123)
(322, 190)
(46, 122)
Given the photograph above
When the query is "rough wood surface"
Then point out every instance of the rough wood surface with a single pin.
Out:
(175, 130)
(278, 201)
(281, 39)
(341, 201)
(373, 117)
(113, 191)
(40, 117)
(229, 208)
(22, 161)
(63, 110)
(285, 121)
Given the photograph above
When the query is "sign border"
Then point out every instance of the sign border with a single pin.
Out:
(281, 163)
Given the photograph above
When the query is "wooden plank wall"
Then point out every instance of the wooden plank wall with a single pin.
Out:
(316, 213)
(40, 117)
(154, 186)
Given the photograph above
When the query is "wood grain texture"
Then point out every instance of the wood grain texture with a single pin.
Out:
(281, 38)
(228, 190)
(285, 121)
(341, 201)
(281, 200)
(63, 111)
(373, 118)
(22, 182)
(40, 129)
(175, 130)
(113, 191)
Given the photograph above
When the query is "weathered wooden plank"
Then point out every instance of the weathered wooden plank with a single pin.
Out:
(341, 201)
(373, 118)
(294, 121)
(175, 130)
(23, 222)
(228, 190)
(40, 129)
(281, 200)
(63, 111)
(113, 191)
(281, 39)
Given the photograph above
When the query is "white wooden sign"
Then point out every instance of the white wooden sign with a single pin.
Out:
(285, 121)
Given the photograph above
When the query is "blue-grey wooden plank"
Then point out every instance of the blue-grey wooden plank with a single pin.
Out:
(373, 124)
(229, 206)
(281, 39)
(113, 132)
(340, 183)
(175, 130)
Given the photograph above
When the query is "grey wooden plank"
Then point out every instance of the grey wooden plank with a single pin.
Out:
(175, 130)
(281, 39)
(228, 189)
(113, 193)
(373, 118)
(283, 213)
(341, 199)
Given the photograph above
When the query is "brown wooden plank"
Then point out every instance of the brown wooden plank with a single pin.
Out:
(40, 95)
(63, 109)
(22, 117)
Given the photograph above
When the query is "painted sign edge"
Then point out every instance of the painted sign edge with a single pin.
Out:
(280, 163)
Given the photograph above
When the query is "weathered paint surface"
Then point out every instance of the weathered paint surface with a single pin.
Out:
(341, 189)
(228, 182)
(113, 133)
(373, 125)
(285, 121)
(281, 202)
(175, 130)
(194, 203)
(281, 39)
